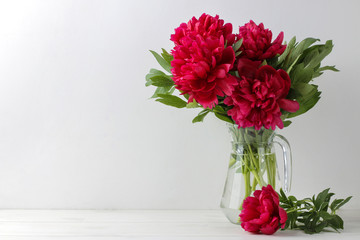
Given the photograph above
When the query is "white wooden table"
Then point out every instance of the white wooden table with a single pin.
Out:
(143, 224)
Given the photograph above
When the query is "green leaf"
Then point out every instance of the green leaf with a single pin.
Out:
(292, 199)
(168, 57)
(307, 95)
(304, 44)
(305, 106)
(292, 65)
(220, 110)
(295, 51)
(335, 203)
(331, 68)
(223, 117)
(238, 53)
(336, 222)
(162, 81)
(156, 72)
(321, 198)
(324, 206)
(171, 100)
(325, 215)
(287, 123)
(274, 62)
(305, 89)
(237, 45)
(193, 104)
(328, 197)
(315, 54)
(163, 90)
(309, 219)
(320, 227)
(166, 65)
(200, 117)
(288, 49)
(282, 194)
(342, 203)
(336, 229)
(152, 73)
(148, 83)
(221, 113)
(300, 74)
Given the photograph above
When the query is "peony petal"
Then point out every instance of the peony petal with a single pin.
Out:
(226, 85)
(283, 217)
(257, 194)
(247, 67)
(268, 205)
(288, 105)
(270, 190)
(257, 98)
(248, 214)
(271, 227)
(245, 107)
(287, 83)
(279, 38)
(206, 101)
(200, 71)
(278, 123)
(228, 56)
(176, 62)
(228, 101)
(220, 73)
(251, 202)
(264, 72)
(254, 228)
(249, 97)
(264, 218)
(257, 42)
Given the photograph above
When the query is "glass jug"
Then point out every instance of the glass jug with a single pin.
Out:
(253, 165)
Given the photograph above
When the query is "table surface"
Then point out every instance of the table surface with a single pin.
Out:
(144, 224)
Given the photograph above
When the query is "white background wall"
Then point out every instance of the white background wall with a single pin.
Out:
(77, 129)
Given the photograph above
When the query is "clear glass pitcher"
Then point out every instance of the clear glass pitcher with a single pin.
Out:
(253, 165)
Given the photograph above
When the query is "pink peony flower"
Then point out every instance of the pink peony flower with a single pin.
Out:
(257, 42)
(201, 61)
(262, 212)
(259, 96)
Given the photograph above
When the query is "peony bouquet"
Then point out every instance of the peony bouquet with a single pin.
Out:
(243, 78)
(255, 84)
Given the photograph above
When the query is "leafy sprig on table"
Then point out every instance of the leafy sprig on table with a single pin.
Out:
(313, 215)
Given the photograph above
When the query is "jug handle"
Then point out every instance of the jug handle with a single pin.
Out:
(285, 146)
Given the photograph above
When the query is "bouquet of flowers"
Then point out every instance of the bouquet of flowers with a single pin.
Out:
(256, 84)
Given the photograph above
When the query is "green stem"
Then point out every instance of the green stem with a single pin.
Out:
(247, 184)
(246, 174)
(255, 167)
(294, 210)
(254, 184)
(270, 162)
(267, 163)
(247, 187)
